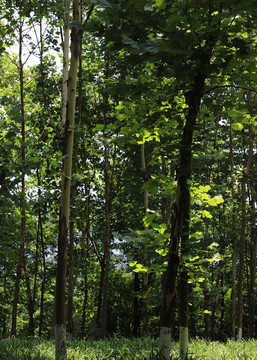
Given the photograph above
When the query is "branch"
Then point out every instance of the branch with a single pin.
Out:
(229, 86)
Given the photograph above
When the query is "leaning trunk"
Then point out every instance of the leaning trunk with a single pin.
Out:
(180, 228)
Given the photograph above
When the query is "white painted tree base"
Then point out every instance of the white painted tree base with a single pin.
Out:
(60, 342)
(183, 342)
(165, 342)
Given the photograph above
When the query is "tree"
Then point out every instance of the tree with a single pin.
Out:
(61, 351)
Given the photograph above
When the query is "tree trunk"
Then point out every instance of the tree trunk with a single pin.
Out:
(183, 312)
(41, 316)
(107, 244)
(60, 345)
(84, 306)
(234, 237)
(245, 174)
(180, 221)
(23, 189)
(252, 289)
(65, 69)
(70, 278)
(136, 321)
(145, 274)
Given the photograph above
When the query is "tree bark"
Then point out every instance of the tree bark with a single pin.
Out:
(107, 244)
(136, 317)
(40, 229)
(23, 190)
(145, 274)
(252, 289)
(245, 173)
(234, 237)
(180, 221)
(60, 342)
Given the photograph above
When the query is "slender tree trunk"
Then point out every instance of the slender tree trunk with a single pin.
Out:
(145, 275)
(23, 190)
(30, 301)
(107, 244)
(108, 209)
(60, 325)
(180, 221)
(65, 69)
(234, 237)
(183, 310)
(252, 289)
(32, 296)
(245, 174)
(40, 229)
(84, 306)
(100, 296)
(70, 278)
(136, 318)
(192, 314)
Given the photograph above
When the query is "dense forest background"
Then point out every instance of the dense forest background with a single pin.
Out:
(163, 186)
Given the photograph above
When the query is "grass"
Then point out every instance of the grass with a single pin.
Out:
(125, 349)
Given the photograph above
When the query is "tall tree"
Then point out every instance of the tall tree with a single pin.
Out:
(23, 189)
(61, 350)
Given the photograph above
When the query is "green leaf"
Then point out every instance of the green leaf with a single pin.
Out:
(206, 214)
(160, 228)
(216, 200)
(207, 312)
(162, 252)
(150, 46)
(140, 268)
(133, 263)
(99, 128)
(237, 126)
(127, 41)
(160, 4)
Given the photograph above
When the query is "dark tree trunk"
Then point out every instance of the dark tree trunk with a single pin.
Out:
(136, 321)
(245, 174)
(107, 246)
(181, 210)
(23, 189)
(252, 289)
(234, 238)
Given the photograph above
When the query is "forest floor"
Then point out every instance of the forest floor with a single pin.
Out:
(125, 349)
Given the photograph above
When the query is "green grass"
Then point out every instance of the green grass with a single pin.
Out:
(125, 349)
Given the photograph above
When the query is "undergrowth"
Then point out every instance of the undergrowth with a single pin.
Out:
(117, 348)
